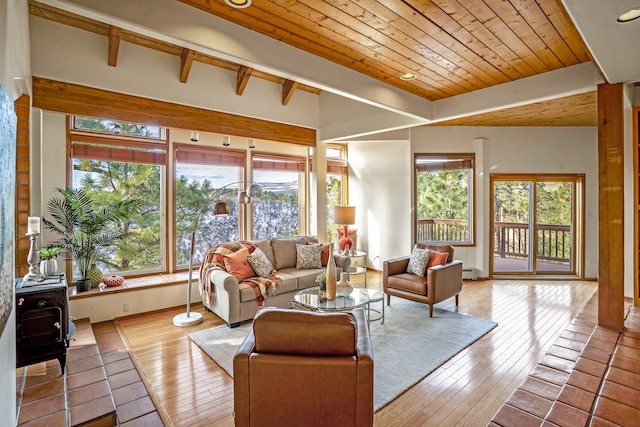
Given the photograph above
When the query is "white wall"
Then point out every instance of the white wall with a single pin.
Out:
(382, 180)
(64, 53)
(380, 177)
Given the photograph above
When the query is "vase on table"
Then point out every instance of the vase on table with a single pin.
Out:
(48, 267)
(343, 287)
(94, 275)
(331, 276)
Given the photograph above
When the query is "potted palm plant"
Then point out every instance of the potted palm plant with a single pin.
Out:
(84, 229)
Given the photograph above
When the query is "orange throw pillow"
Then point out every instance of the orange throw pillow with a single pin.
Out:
(236, 264)
(437, 258)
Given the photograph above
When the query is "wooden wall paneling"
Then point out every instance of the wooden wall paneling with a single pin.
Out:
(610, 206)
(23, 189)
(70, 98)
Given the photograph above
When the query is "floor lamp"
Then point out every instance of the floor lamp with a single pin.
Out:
(220, 209)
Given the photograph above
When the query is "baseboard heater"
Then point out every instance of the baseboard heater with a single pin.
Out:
(469, 274)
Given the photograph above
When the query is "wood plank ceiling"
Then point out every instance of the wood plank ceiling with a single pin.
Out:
(452, 46)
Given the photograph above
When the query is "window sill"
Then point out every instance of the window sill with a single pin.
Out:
(134, 284)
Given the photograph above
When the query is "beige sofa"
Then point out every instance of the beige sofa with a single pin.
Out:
(235, 301)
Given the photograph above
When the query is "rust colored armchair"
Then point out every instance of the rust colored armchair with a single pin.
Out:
(303, 368)
(440, 282)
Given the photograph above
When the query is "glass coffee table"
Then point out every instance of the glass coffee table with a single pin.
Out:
(308, 299)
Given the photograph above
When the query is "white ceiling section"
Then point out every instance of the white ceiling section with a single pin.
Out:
(613, 46)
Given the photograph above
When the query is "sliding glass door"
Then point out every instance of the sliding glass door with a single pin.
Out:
(533, 223)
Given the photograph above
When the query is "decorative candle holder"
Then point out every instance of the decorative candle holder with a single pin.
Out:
(33, 259)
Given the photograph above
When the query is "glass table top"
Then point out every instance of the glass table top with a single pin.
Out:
(309, 297)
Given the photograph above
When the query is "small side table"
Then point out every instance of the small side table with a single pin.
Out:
(359, 269)
(375, 296)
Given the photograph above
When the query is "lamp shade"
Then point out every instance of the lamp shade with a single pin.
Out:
(344, 215)
(254, 190)
(220, 209)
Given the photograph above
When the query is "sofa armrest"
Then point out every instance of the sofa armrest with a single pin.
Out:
(394, 266)
(241, 380)
(222, 279)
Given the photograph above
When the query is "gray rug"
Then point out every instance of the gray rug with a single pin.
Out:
(406, 348)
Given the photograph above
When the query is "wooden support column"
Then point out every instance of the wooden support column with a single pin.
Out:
(611, 206)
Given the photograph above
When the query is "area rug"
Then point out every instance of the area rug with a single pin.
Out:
(406, 348)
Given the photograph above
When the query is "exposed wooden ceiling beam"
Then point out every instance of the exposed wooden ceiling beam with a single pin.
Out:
(244, 74)
(70, 98)
(288, 87)
(114, 45)
(186, 60)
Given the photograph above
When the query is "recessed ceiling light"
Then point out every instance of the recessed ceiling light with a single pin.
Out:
(408, 76)
(629, 15)
(238, 4)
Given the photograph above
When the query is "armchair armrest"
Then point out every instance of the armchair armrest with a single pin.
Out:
(365, 368)
(444, 281)
(395, 266)
(241, 380)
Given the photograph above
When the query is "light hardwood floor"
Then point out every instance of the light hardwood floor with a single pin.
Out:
(189, 389)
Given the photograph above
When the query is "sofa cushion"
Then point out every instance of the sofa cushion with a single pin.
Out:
(418, 261)
(284, 251)
(265, 245)
(308, 256)
(288, 280)
(260, 263)
(305, 332)
(408, 282)
(236, 264)
(304, 278)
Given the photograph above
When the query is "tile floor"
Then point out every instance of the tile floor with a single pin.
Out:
(101, 386)
(589, 377)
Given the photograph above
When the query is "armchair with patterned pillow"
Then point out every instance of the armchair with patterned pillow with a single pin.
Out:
(429, 275)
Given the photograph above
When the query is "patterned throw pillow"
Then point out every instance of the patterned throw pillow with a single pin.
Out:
(260, 263)
(418, 261)
(308, 256)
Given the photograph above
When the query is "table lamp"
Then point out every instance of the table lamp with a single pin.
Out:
(345, 215)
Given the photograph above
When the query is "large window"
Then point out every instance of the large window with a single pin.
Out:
(201, 172)
(114, 160)
(444, 198)
(117, 161)
(336, 186)
(280, 210)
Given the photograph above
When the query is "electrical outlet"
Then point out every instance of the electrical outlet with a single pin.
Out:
(126, 307)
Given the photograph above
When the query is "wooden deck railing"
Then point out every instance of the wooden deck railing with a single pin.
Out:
(511, 239)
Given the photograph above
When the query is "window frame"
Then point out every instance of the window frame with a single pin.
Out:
(103, 146)
(454, 160)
